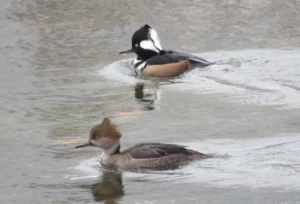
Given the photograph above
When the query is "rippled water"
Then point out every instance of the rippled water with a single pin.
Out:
(61, 74)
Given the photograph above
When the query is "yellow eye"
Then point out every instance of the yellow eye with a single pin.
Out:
(136, 45)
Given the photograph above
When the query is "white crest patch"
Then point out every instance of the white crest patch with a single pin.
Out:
(155, 38)
(149, 45)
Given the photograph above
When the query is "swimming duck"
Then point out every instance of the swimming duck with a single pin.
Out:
(147, 156)
(153, 60)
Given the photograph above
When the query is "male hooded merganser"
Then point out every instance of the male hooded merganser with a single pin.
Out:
(153, 60)
(147, 156)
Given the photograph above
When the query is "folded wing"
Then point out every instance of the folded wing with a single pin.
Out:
(167, 57)
(157, 150)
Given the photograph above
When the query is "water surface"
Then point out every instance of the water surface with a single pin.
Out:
(61, 74)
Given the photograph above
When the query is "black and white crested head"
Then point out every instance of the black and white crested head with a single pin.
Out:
(145, 43)
(152, 42)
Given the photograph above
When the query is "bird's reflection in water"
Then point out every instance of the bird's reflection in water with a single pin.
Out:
(110, 189)
(146, 97)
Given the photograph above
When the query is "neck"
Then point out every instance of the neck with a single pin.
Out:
(146, 54)
(108, 153)
(114, 149)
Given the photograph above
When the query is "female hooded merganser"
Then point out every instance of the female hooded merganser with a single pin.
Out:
(147, 156)
(153, 60)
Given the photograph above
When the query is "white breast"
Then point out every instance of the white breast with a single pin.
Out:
(104, 157)
(139, 64)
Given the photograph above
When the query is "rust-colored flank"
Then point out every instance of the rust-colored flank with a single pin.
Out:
(168, 70)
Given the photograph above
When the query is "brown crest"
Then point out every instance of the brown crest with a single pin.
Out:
(105, 129)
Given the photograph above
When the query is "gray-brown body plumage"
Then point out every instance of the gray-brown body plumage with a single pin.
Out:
(151, 156)
(156, 156)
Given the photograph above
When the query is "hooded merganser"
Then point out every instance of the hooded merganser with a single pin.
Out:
(147, 156)
(153, 60)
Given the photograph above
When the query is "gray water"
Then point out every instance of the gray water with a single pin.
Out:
(61, 74)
